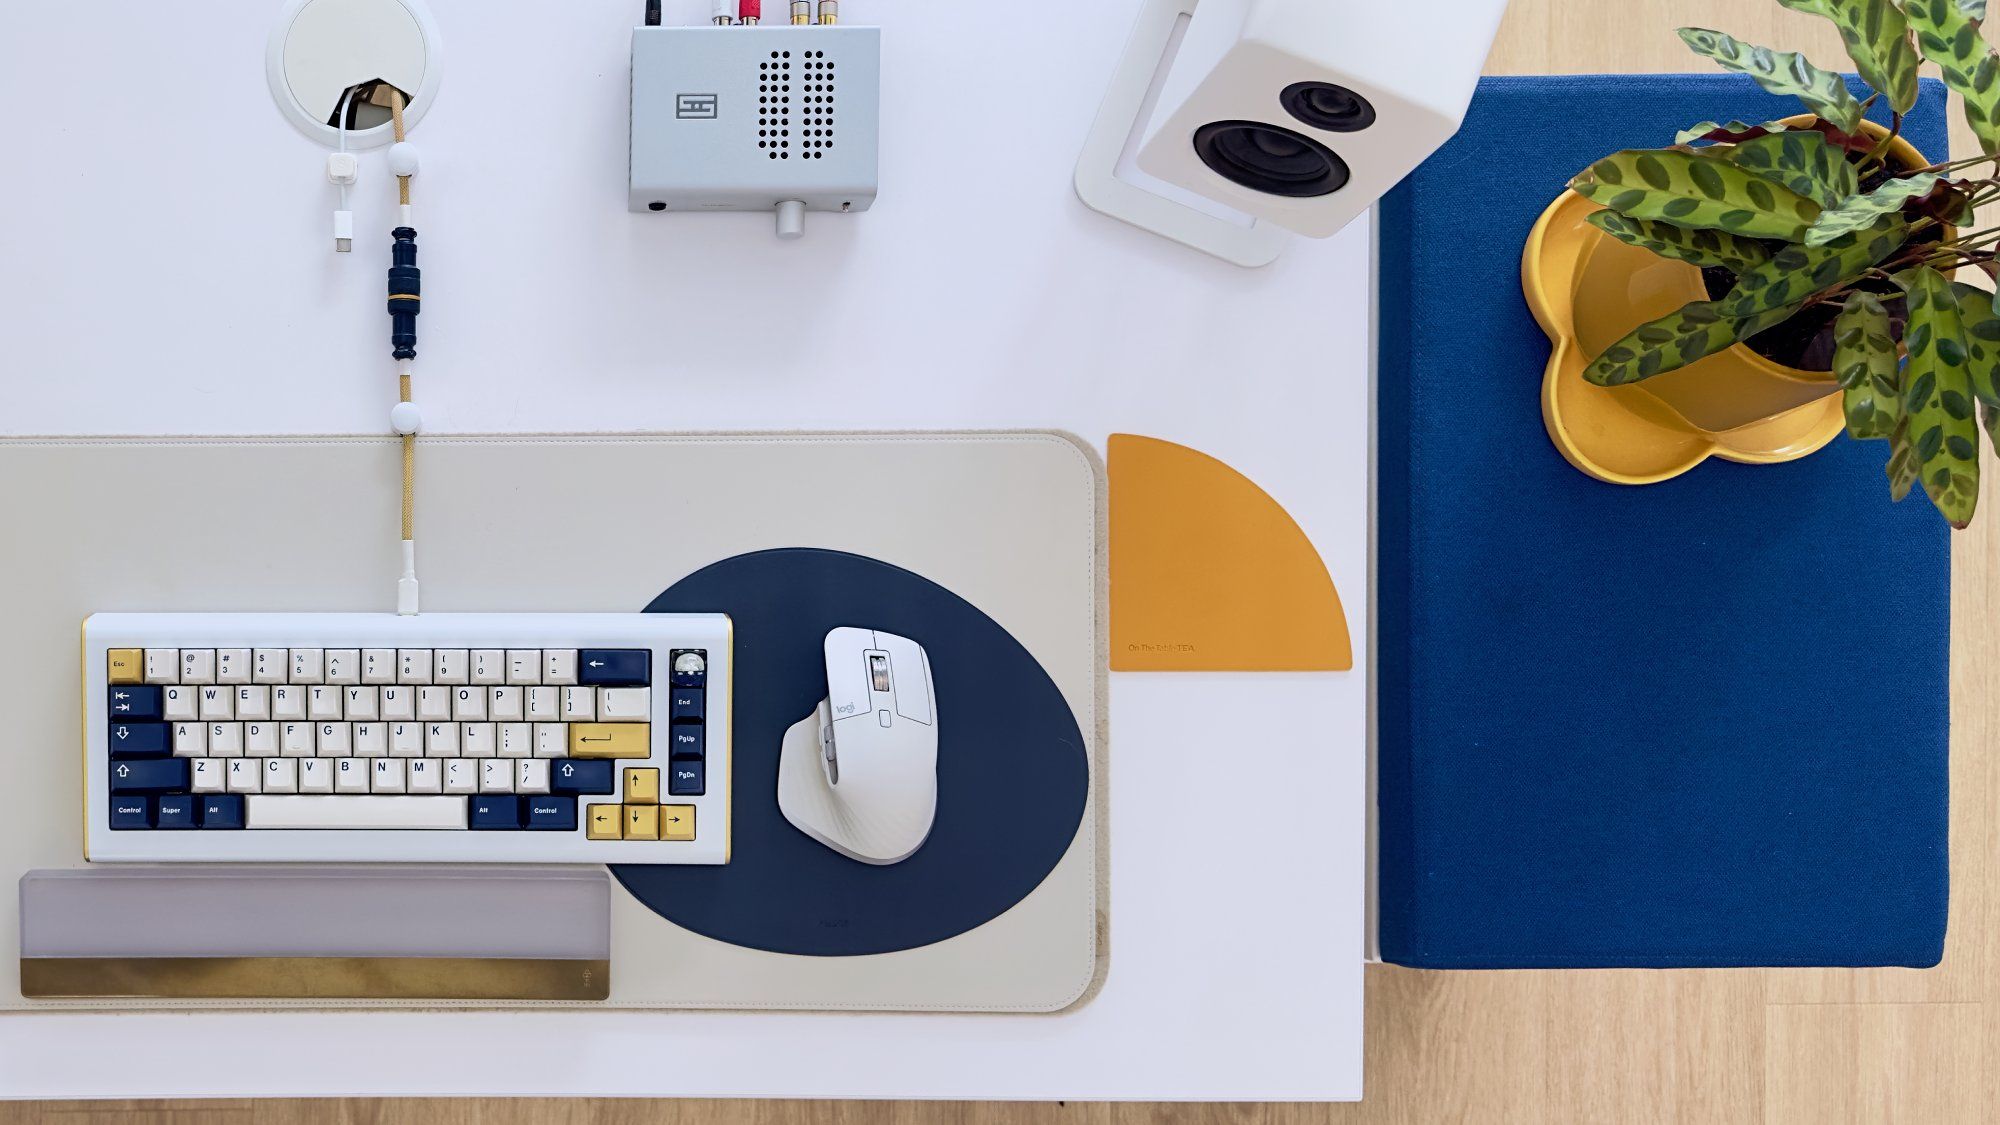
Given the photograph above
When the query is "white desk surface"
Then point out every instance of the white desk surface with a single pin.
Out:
(164, 268)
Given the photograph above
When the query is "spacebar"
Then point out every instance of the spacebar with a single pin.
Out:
(379, 813)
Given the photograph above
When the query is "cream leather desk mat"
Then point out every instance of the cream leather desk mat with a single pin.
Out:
(1008, 521)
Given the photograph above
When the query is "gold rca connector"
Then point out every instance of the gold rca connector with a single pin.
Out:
(829, 11)
(802, 11)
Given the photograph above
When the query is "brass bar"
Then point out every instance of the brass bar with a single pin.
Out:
(314, 978)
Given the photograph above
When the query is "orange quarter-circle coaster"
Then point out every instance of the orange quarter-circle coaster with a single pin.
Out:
(1209, 574)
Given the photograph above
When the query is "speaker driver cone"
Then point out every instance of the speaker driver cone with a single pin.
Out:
(1270, 159)
(1324, 105)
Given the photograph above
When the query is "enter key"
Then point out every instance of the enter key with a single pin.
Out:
(610, 740)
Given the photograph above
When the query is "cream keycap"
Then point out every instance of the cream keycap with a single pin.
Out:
(217, 702)
(163, 666)
(232, 665)
(624, 704)
(197, 665)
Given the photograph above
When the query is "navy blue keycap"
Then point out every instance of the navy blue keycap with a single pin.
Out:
(615, 667)
(687, 705)
(686, 741)
(551, 814)
(141, 740)
(156, 775)
(222, 810)
(133, 702)
(496, 812)
(687, 778)
(176, 812)
(131, 812)
(580, 775)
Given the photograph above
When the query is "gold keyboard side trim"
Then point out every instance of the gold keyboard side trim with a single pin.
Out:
(83, 728)
(729, 705)
(314, 978)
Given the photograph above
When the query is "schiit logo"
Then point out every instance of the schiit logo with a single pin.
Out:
(696, 106)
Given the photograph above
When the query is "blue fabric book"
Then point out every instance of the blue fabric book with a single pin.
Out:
(1696, 723)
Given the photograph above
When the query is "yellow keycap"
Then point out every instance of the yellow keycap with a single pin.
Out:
(610, 740)
(677, 822)
(642, 786)
(128, 666)
(642, 822)
(607, 822)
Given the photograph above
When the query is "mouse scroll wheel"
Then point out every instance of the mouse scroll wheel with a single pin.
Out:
(878, 672)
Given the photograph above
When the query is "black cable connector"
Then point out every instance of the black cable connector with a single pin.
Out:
(405, 293)
(652, 13)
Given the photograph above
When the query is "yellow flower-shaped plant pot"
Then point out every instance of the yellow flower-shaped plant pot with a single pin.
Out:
(1587, 290)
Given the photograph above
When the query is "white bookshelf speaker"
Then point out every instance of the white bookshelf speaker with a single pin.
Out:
(1232, 122)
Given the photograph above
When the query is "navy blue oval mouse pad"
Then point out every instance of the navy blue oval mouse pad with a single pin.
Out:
(1013, 773)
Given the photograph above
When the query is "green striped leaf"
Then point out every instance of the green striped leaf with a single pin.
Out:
(1701, 247)
(1731, 133)
(1902, 467)
(1859, 211)
(1948, 35)
(1693, 332)
(1937, 396)
(1797, 272)
(1877, 36)
(1695, 192)
(1801, 160)
(1865, 362)
(1982, 341)
(1781, 72)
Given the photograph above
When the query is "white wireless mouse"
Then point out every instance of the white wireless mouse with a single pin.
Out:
(859, 774)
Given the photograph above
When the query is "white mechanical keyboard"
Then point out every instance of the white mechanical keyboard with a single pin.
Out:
(445, 737)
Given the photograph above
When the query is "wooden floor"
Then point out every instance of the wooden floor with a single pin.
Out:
(1812, 1047)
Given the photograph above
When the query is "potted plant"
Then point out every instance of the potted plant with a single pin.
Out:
(1827, 246)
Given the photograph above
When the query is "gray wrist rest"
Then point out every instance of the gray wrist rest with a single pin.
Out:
(458, 933)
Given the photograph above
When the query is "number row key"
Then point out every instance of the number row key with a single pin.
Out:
(346, 666)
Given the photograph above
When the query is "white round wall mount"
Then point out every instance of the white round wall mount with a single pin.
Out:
(321, 50)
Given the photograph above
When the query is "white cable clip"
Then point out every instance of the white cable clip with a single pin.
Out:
(406, 419)
(342, 169)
